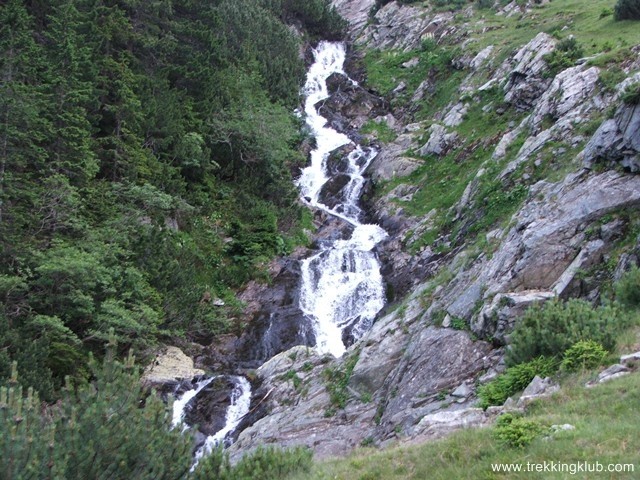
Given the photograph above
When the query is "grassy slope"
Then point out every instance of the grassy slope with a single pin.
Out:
(605, 418)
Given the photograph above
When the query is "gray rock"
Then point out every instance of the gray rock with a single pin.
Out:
(402, 27)
(392, 162)
(565, 427)
(616, 140)
(526, 81)
(463, 391)
(498, 318)
(611, 373)
(439, 424)
(481, 57)
(631, 358)
(589, 255)
(440, 141)
(411, 63)
(355, 12)
(566, 96)
(456, 115)
(538, 388)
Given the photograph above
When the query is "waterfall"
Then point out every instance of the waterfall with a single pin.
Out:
(237, 410)
(341, 286)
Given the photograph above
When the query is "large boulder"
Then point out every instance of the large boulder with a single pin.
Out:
(169, 368)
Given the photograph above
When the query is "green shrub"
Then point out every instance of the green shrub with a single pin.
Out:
(628, 289)
(631, 95)
(553, 328)
(565, 54)
(583, 355)
(513, 380)
(627, 10)
(516, 431)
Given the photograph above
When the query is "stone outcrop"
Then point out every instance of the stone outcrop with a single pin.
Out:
(616, 140)
(402, 27)
(169, 368)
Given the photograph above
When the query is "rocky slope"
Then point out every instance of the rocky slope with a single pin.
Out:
(546, 205)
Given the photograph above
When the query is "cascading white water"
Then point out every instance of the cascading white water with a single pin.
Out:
(341, 285)
(238, 408)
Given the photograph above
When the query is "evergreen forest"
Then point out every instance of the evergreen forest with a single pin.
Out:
(147, 156)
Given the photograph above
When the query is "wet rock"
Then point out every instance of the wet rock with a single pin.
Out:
(275, 321)
(331, 193)
(208, 409)
(350, 106)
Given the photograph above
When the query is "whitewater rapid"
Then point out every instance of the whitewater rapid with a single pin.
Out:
(341, 289)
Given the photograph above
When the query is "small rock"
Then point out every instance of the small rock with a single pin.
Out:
(631, 358)
(218, 302)
(562, 428)
(538, 388)
(402, 86)
(463, 391)
(614, 371)
(411, 63)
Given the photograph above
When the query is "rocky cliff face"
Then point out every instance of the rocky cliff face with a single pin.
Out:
(558, 168)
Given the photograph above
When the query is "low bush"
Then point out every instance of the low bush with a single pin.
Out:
(566, 53)
(551, 329)
(627, 10)
(583, 355)
(628, 289)
(513, 380)
(516, 431)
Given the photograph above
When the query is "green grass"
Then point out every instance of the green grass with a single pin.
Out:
(582, 19)
(606, 431)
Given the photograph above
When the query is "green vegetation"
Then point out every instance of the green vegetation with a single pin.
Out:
(516, 431)
(146, 151)
(380, 130)
(551, 329)
(631, 95)
(583, 355)
(111, 428)
(627, 289)
(565, 54)
(337, 381)
(603, 432)
(514, 380)
(627, 10)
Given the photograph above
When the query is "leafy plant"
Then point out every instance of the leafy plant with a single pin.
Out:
(337, 379)
(583, 355)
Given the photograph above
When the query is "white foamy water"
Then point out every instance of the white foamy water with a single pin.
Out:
(342, 289)
(238, 408)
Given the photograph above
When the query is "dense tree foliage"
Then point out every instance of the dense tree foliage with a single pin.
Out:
(146, 154)
(109, 429)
